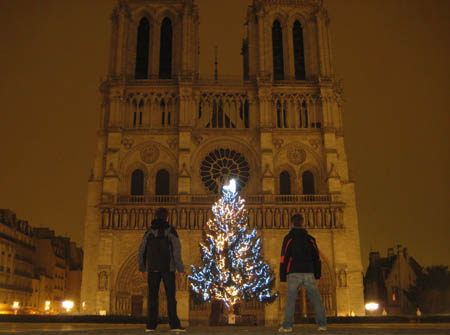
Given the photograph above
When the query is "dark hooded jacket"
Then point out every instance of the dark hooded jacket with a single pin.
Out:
(299, 254)
(176, 263)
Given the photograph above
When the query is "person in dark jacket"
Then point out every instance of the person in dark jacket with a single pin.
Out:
(300, 265)
(158, 258)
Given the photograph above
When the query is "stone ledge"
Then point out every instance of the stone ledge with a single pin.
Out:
(117, 319)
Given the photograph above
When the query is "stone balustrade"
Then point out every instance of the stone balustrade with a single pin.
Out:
(195, 216)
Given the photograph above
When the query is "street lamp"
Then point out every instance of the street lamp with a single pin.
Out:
(372, 306)
(67, 305)
(15, 306)
(47, 305)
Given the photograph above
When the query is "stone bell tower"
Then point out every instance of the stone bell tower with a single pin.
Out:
(287, 52)
(152, 42)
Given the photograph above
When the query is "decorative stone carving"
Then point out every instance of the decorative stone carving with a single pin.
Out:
(182, 283)
(277, 143)
(172, 142)
(197, 140)
(342, 278)
(102, 281)
(150, 154)
(127, 142)
(315, 142)
(254, 142)
(111, 172)
(296, 155)
(267, 172)
(332, 173)
(184, 171)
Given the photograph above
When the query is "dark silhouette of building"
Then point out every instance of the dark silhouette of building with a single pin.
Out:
(387, 279)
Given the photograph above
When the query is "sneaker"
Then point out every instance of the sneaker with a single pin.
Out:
(322, 329)
(179, 330)
(148, 330)
(285, 330)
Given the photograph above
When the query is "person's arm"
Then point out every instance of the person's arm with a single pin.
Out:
(285, 255)
(316, 259)
(142, 253)
(176, 250)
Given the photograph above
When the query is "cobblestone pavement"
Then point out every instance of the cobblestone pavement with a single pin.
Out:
(123, 329)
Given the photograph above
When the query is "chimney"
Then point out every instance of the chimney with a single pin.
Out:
(374, 256)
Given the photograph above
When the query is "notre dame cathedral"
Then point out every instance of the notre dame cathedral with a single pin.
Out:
(170, 137)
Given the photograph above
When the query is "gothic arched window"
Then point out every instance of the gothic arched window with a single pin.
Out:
(281, 115)
(277, 46)
(220, 165)
(142, 50)
(162, 184)
(299, 52)
(303, 115)
(137, 182)
(285, 183)
(162, 106)
(308, 182)
(244, 114)
(139, 116)
(137, 113)
(165, 50)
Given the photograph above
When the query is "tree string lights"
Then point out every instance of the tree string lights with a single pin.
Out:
(233, 269)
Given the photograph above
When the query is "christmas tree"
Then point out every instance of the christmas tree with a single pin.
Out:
(233, 269)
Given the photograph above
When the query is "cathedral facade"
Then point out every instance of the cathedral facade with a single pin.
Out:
(170, 137)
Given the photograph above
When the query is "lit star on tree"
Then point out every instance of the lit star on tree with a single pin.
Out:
(233, 269)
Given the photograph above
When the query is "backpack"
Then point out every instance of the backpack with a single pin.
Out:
(158, 252)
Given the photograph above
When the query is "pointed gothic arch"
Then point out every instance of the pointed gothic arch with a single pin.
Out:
(308, 184)
(282, 117)
(142, 49)
(137, 182)
(165, 49)
(162, 182)
(285, 183)
(277, 51)
(327, 291)
(299, 51)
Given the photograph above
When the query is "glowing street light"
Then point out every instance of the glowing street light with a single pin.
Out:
(372, 306)
(15, 306)
(67, 305)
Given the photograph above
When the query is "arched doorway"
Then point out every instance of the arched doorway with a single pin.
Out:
(131, 291)
(304, 308)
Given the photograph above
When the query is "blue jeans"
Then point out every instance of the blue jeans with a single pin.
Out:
(294, 281)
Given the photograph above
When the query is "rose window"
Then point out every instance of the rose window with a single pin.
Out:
(221, 165)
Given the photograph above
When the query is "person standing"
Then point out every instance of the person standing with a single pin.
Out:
(159, 258)
(300, 265)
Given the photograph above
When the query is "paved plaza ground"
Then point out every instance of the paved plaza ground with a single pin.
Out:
(307, 329)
